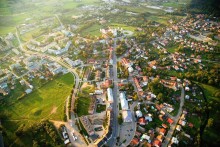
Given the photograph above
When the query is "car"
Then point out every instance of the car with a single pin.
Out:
(74, 136)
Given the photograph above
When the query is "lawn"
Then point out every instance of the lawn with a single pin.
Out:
(44, 103)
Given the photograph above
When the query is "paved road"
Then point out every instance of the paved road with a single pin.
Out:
(175, 119)
(112, 140)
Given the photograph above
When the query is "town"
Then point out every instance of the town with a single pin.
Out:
(112, 74)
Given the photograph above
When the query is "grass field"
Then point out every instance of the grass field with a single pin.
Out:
(44, 103)
(13, 14)
(210, 91)
(125, 27)
(93, 30)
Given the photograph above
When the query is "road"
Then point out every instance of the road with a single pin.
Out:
(175, 120)
(61, 24)
(112, 140)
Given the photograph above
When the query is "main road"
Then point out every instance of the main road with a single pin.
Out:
(114, 77)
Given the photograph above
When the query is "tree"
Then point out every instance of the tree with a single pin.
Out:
(120, 120)
(135, 97)
(210, 122)
(160, 96)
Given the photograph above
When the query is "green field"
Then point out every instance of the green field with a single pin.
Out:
(93, 30)
(210, 92)
(83, 101)
(125, 27)
(44, 103)
(13, 14)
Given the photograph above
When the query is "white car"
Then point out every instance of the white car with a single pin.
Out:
(74, 137)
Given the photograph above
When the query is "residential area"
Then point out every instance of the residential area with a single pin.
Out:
(110, 73)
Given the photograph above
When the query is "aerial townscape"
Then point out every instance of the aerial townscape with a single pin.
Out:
(109, 73)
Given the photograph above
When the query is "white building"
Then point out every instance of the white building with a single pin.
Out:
(127, 116)
(110, 95)
(28, 91)
(99, 91)
(175, 140)
(139, 113)
(124, 102)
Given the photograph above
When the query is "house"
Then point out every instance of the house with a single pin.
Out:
(134, 142)
(156, 143)
(190, 125)
(139, 113)
(106, 84)
(142, 121)
(137, 84)
(187, 88)
(98, 75)
(160, 137)
(141, 129)
(182, 122)
(164, 125)
(98, 92)
(174, 140)
(187, 97)
(28, 91)
(146, 137)
(162, 131)
(138, 134)
(148, 117)
(178, 127)
(170, 121)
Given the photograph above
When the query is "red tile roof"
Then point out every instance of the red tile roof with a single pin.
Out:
(134, 142)
(169, 120)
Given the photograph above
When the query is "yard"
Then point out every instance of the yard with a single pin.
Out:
(44, 103)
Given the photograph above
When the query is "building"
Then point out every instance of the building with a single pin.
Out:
(146, 137)
(134, 142)
(127, 116)
(124, 102)
(87, 125)
(139, 113)
(99, 91)
(110, 95)
(28, 91)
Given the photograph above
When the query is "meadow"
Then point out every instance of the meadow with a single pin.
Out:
(44, 103)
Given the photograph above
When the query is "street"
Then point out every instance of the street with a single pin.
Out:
(175, 120)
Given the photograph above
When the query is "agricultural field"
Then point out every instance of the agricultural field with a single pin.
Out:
(13, 13)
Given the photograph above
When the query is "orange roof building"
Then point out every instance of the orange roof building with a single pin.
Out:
(169, 120)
